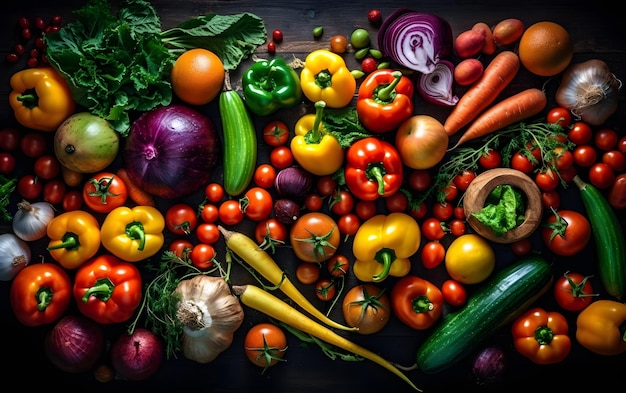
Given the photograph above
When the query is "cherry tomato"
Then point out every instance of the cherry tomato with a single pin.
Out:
(202, 255)
(54, 191)
(9, 139)
(276, 133)
(209, 212)
(104, 191)
(307, 273)
(454, 293)
(563, 159)
(397, 202)
(573, 291)
(419, 179)
(547, 180)
(605, 139)
(338, 44)
(257, 203)
(281, 157)
(207, 232)
(568, 174)
(338, 265)
(72, 200)
(621, 144)
(442, 210)
(181, 247)
(33, 144)
(580, 133)
(265, 344)
(615, 159)
(458, 212)
(214, 192)
(522, 247)
(7, 163)
(342, 202)
(47, 166)
(433, 254)
(491, 159)
(584, 155)
(551, 199)
(368, 307)
(230, 212)
(566, 232)
(264, 175)
(418, 212)
(313, 202)
(29, 187)
(181, 219)
(522, 163)
(464, 178)
(560, 116)
(601, 175)
(270, 233)
(349, 224)
(325, 289)
(314, 237)
(450, 192)
(432, 229)
(365, 209)
(457, 227)
(326, 185)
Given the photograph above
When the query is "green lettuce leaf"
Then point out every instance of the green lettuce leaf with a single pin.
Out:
(504, 209)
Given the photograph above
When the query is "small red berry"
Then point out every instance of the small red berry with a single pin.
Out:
(19, 49)
(39, 42)
(277, 36)
(271, 47)
(56, 20)
(369, 65)
(26, 33)
(23, 23)
(375, 17)
(12, 57)
(40, 23)
(32, 62)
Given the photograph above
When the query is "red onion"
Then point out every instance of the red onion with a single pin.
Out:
(74, 344)
(415, 40)
(137, 356)
(171, 151)
(293, 182)
(489, 365)
(286, 211)
(436, 87)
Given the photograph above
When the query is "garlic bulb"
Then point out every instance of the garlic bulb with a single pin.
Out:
(210, 314)
(14, 256)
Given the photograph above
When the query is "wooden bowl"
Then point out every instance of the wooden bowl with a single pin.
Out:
(480, 188)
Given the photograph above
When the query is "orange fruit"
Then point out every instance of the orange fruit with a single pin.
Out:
(197, 76)
(545, 48)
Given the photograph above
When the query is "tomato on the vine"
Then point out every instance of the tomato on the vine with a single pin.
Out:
(573, 291)
(265, 344)
(202, 255)
(181, 218)
(454, 293)
(338, 265)
(104, 191)
(29, 186)
(491, 159)
(181, 247)
(560, 116)
(264, 175)
(325, 289)
(257, 203)
(276, 133)
(566, 232)
(432, 228)
(432, 254)
(270, 233)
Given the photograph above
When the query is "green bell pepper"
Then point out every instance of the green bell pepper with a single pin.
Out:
(269, 85)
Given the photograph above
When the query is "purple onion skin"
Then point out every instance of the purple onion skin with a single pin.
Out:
(137, 356)
(293, 182)
(74, 344)
(286, 211)
(171, 151)
(489, 365)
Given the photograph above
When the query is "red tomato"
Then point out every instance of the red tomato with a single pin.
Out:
(33, 144)
(104, 191)
(367, 307)
(54, 191)
(621, 144)
(270, 232)
(281, 157)
(454, 293)
(397, 202)
(264, 175)
(338, 265)
(9, 139)
(457, 227)
(365, 209)
(551, 199)
(573, 291)
(7, 163)
(442, 210)
(72, 200)
(342, 202)
(181, 247)
(257, 203)
(326, 185)
(418, 212)
(202, 255)
(265, 344)
(230, 212)
(560, 116)
(47, 167)
(313, 202)
(605, 139)
(563, 158)
(29, 187)
(208, 233)
(490, 160)
(432, 229)
(463, 179)
(584, 155)
(580, 133)
(307, 273)
(615, 159)
(522, 163)
(338, 44)
(325, 289)
(314, 237)
(450, 192)
(209, 213)
(276, 133)
(433, 254)
(601, 175)
(547, 180)
(181, 219)
(522, 246)
(566, 232)
(419, 179)
(349, 224)
(458, 212)
(568, 174)
(214, 192)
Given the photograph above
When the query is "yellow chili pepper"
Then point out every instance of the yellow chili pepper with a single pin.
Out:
(601, 327)
(133, 234)
(40, 99)
(315, 150)
(325, 77)
(383, 245)
(74, 238)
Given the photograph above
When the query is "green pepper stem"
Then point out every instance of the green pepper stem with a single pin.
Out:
(387, 93)
(385, 256)
(315, 135)
(422, 304)
(44, 298)
(135, 231)
(266, 82)
(68, 241)
(544, 335)
(29, 100)
(102, 289)
(323, 79)
(375, 172)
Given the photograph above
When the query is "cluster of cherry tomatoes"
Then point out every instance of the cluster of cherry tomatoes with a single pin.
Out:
(32, 42)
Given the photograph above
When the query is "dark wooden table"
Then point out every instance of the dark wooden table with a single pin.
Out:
(596, 32)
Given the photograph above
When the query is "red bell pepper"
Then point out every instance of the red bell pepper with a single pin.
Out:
(385, 100)
(107, 289)
(373, 169)
(542, 336)
(40, 294)
(416, 302)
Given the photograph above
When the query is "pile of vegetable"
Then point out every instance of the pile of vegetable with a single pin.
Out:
(155, 216)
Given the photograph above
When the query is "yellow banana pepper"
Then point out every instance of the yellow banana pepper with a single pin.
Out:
(133, 234)
(601, 327)
(74, 238)
(383, 245)
(325, 77)
(40, 99)
(315, 150)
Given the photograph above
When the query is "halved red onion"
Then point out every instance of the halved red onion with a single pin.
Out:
(436, 87)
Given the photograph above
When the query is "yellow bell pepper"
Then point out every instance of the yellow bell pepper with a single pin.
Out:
(325, 77)
(315, 150)
(40, 99)
(383, 245)
(601, 327)
(74, 238)
(133, 234)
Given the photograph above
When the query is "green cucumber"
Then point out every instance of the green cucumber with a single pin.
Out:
(608, 236)
(240, 142)
(502, 298)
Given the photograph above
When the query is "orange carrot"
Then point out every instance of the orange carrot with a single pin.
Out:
(511, 110)
(497, 75)
(135, 193)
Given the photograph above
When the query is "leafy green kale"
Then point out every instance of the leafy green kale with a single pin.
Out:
(504, 209)
(115, 64)
(7, 186)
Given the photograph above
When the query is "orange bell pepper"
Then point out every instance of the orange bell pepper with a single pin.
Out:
(601, 327)
(542, 336)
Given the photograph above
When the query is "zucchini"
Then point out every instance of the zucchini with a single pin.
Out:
(501, 299)
(608, 236)
(240, 141)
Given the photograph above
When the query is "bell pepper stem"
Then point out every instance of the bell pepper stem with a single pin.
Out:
(29, 100)
(266, 82)
(69, 241)
(386, 257)
(44, 298)
(544, 335)
(102, 289)
(387, 93)
(422, 304)
(315, 135)
(135, 231)
(323, 79)
(376, 172)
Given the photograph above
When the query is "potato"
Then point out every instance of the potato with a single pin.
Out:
(468, 71)
(469, 43)
(489, 48)
(507, 31)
